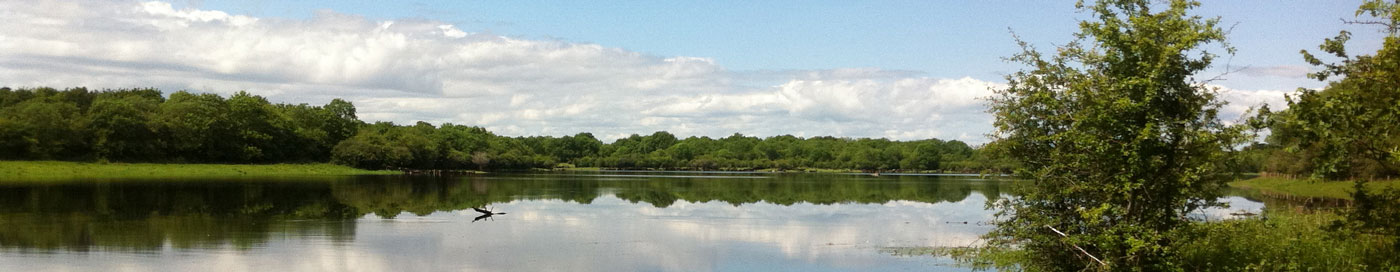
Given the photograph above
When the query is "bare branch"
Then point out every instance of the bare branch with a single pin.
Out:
(1390, 27)
(1081, 250)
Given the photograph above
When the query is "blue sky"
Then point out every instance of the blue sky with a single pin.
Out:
(939, 38)
(894, 69)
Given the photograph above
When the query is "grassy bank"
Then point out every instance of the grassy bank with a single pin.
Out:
(1281, 239)
(1304, 188)
(56, 170)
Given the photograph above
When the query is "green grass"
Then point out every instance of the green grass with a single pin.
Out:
(1305, 188)
(57, 170)
(1283, 239)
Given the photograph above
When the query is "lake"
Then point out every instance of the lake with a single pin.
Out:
(576, 221)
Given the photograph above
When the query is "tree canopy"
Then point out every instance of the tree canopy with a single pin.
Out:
(142, 125)
(1351, 128)
(1117, 138)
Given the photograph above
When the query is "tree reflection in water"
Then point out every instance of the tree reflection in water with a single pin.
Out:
(135, 215)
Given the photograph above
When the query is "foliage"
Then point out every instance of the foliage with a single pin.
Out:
(1376, 213)
(1280, 240)
(139, 125)
(1117, 138)
(42, 124)
(786, 152)
(1350, 129)
(121, 124)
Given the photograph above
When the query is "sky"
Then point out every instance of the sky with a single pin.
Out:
(903, 70)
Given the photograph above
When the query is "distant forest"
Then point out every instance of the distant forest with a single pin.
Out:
(143, 125)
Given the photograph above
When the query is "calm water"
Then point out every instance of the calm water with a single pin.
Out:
(609, 221)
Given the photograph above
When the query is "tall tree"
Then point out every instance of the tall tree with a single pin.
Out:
(1351, 129)
(121, 125)
(1118, 139)
(192, 126)
(341, 122)
(260, 131)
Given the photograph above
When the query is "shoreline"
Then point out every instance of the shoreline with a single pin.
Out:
(22, 171)
(772, 171)
(1303, 188)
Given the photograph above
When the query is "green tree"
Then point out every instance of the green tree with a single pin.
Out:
(460, 142)
(686, 149)
(191, 126)
(1351, 128)
(372, 148)
(121, 124)
(12, 144)
(259, 130)
(140, 125)
(924, 157)
(341, 122)
(659, 140)
(419, 141)
(580, 145)
(46, 126)
(1118, 140)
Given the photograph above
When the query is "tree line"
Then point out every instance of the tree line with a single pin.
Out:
(143, 125)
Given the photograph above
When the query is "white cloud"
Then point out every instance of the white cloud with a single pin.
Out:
(1240, 102)
(1280, 71)
(166, 10)
(417, 70)
(906, 108)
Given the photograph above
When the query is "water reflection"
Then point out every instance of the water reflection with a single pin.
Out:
(621, 221)
(1236, 207)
